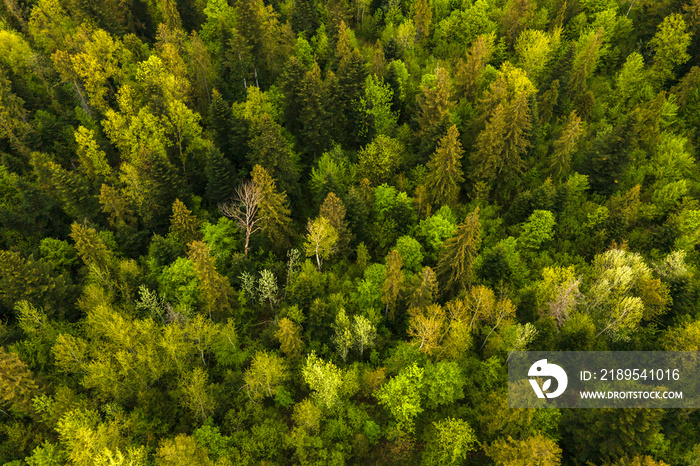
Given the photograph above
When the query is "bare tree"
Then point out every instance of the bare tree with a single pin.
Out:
(243, 208)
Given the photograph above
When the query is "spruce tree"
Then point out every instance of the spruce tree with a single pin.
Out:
(183, 224)
(334, 211)
(214, 288)
(219, 174)
(289, 336)
(455, 267)
(445, 177)
(273, 210)
(393, 283)
(314, 100)
(270, 150)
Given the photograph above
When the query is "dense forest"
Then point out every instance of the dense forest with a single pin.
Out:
(271, 232)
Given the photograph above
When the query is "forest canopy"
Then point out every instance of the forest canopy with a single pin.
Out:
(269, 232)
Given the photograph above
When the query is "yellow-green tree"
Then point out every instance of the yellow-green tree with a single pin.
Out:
(289, 336)
(393, 283)
(214, 287)
(183, 224)
(273, 209)
(321, 240)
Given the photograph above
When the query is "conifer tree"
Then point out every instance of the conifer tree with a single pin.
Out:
(274, 209)
(502, 144)
(444, 177)
(93, 251)
(670, 44)
(315, 134)
(221, 121)
(393, 283)
(422, 19)
(219, 172)
(289, 336)
(270, 150)
(183, 224)
(93, 161)
(427, 292)
(68, 187)
(352, 74)
(469, 70)
(17, 384)
(455, 267)
(564, 146)
(292, 81)
(585, 61)
(214, 287)
(434, 102)
(334, 211)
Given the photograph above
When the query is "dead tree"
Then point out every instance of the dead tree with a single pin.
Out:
(243, 208)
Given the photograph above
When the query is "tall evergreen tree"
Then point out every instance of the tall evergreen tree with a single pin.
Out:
(274, 210)
(219, 176)
(393, 283)
(455, 267)
(435, 103)
(183, 224)
(445, 177)
(270, 150)
(315, 130)
(215, 288)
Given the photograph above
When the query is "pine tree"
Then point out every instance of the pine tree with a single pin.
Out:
(445, 177)
(183, 224)
(422, 19)
(670, 44)
(393, 283)
(564, 147)
(214, 287)
(274, 209)
(93, 161)
(292, 82)
(501, 146)
(352, 74)
(221, 122)
(427, 292)
(334, 211)
(121, 215)
(455, 267)
(315, 134)
(469, 71)
(270, 150)
(69, 188)
(585, 61)
(435, 101)
(289, 336)
(17, 384)
(93, 251)
(219, 173)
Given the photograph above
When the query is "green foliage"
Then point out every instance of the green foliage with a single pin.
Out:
(466, 178)
(453, 440)
(324, 379)
(380, 159)
(401, 396)
(458, 253)
(265, 376)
